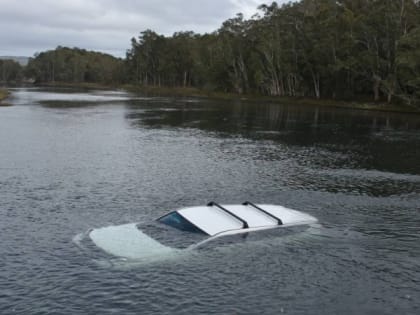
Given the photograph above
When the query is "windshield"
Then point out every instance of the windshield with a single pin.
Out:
(177, 221)
(169, 236)
(170, 231)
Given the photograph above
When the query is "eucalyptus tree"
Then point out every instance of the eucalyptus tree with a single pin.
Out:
(271, 45)
(234, 42)
(183, 57)
(342, 49)
(379, 28)
(408, 54)
(145, 56)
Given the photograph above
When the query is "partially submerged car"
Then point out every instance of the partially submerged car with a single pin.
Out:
(193, 228)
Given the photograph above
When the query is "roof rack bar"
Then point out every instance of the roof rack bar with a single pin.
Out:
(244, 223)
(279, 221)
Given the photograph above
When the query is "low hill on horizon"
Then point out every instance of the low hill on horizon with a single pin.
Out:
(22, 60)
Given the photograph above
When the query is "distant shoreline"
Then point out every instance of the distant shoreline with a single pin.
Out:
(195, 92)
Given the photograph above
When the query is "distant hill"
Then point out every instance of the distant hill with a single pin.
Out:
(20, 59)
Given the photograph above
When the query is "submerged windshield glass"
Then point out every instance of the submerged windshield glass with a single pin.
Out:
(172, 230)
(177, 221)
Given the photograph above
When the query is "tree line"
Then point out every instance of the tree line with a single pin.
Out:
(340, 49)
(75, 65)
(11, 72)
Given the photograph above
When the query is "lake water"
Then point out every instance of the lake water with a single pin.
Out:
(71, 161)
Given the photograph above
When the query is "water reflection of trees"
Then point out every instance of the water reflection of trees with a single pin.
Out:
(384, 141)
(287, 122)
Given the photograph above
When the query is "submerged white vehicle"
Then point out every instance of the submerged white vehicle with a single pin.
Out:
(193, 228)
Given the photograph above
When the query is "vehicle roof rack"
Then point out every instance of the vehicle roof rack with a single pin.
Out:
(244, 223)
(279, 221)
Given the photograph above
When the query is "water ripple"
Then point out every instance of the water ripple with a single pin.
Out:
(118, 158)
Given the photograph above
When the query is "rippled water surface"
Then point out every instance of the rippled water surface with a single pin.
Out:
(71, 161)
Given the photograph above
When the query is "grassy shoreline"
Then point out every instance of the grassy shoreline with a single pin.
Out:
(195, 92)
(3, 95)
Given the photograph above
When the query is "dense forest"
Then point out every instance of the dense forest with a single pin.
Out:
(340, 49)
(11, 72)
(74, 66)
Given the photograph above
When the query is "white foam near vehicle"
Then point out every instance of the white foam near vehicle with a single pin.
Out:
(209, 222)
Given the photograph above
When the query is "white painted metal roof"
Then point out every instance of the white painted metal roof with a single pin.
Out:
(214, 220)
(210, 219)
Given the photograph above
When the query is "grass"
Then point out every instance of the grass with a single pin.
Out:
(3, 95)
(81, 85)
(177, 91)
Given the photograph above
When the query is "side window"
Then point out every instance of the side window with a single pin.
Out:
(177, 221)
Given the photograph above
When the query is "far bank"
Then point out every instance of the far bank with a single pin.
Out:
(195, 92)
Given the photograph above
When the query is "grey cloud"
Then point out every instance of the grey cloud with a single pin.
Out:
(28, 26)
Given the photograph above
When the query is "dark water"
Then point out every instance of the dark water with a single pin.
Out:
(73, 161)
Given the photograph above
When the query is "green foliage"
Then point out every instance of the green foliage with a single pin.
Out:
(338, 49)
(74, 65)
(11, 72)
(320, 48)
(159, 61)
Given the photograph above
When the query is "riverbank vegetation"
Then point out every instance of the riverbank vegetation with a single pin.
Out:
(3, 95)
(320, 49)
(11, 72)
(74, 65)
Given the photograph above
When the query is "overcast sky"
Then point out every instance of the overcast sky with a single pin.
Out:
(30, 26)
